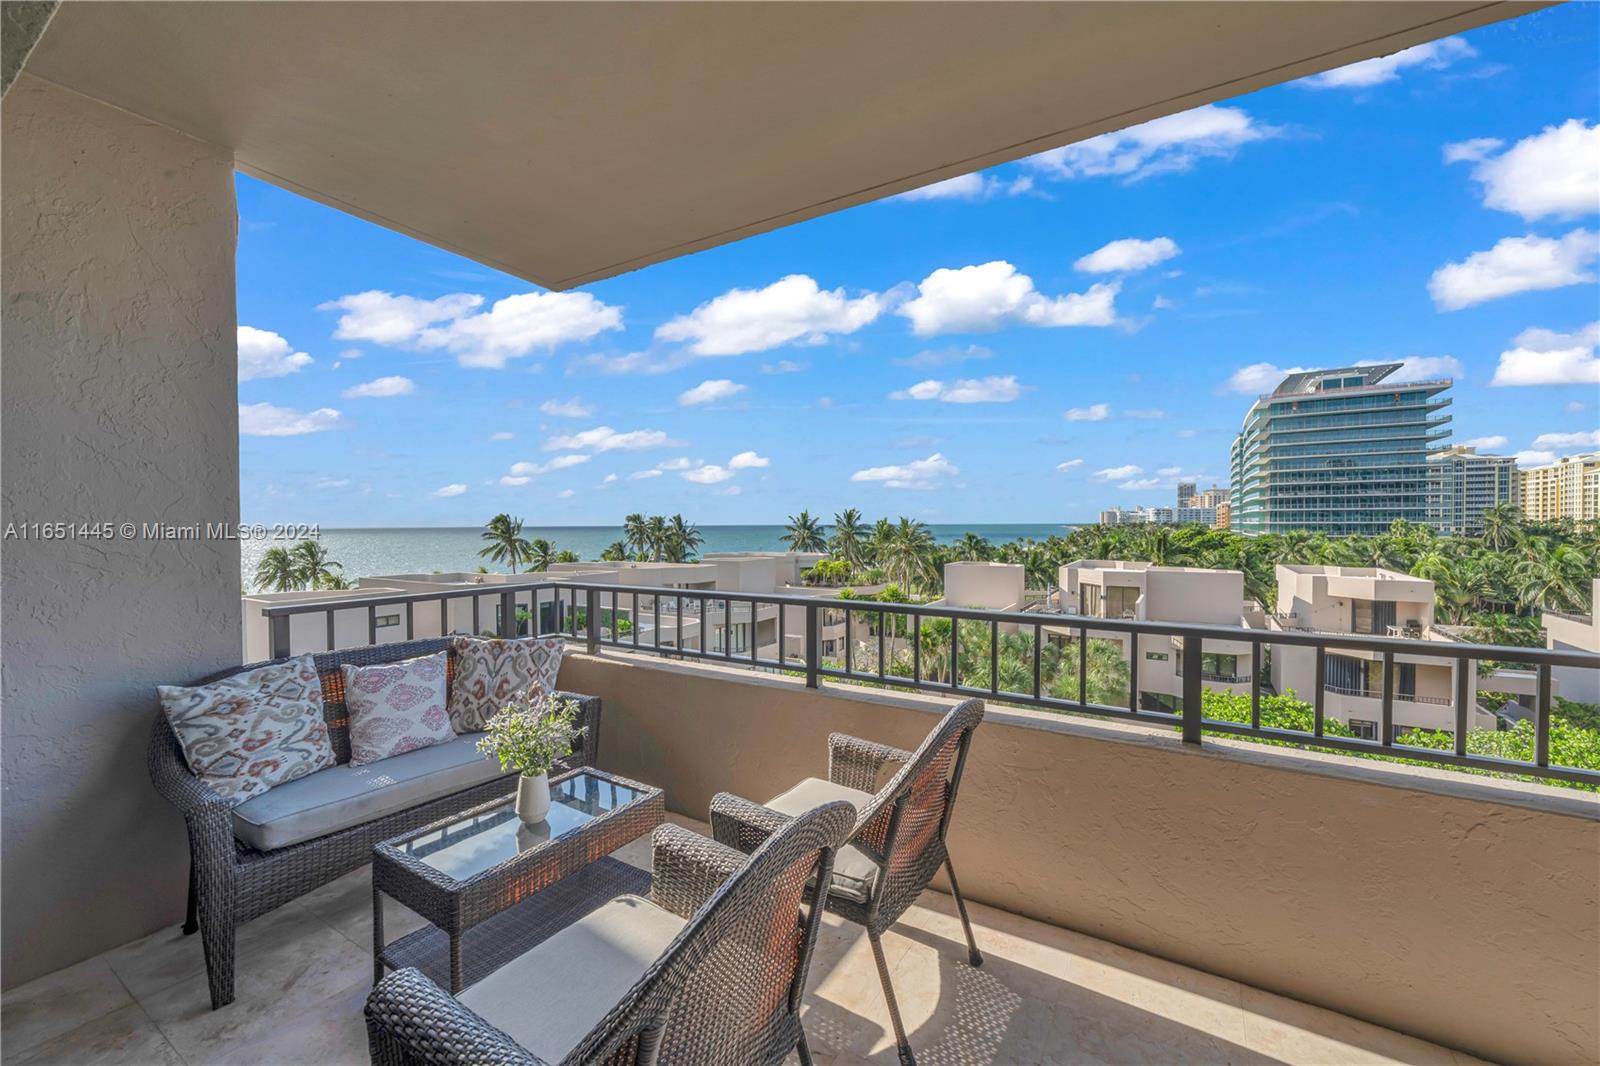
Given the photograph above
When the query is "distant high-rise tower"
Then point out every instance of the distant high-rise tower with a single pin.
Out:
(1463, 484)
(1567, 488)
(1337, 451)
(1186, 491)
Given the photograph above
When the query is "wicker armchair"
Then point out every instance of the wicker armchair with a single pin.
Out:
(231, 882)
(725, 989)
(898, 842)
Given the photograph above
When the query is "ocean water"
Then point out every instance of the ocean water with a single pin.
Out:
(367, 552)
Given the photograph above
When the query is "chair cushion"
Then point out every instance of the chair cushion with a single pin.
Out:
(488, 673)
(344, 796)
(254, 730)
(396, 707)
(548, 999)
(853, 873)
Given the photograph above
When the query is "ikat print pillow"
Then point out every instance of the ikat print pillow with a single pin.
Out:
(396, 707)
(246, 733)
(490, 672)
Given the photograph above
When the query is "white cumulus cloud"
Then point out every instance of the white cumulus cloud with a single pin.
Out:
(643, 475)
(266, 420)
(265, 354)
(919, 474)
(389, 386)
(560, 462)
(1432, 55)
(1140, 483)
(1419, 368)
(991, 296)
(708, 474)
(1169, 144)
(963, 390)
(791, 309)
(1533, 457)
(1128, 255)
(1114, 473)
(384, 318)
(1555, 173)
(970, 187)
(1582, 439)
(573, 408)
(748, 461)
(1259, 377)
(1545, 357)
(710, 391)
(1070, 464)
(1487, 444)
(455, 489)
(606, 439)
(1095, 412)
(1513, 265)
(512, 327)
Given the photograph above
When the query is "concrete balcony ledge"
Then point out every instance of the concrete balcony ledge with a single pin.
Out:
(1359, 886)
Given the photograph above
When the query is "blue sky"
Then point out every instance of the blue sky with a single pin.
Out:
(1031, 344)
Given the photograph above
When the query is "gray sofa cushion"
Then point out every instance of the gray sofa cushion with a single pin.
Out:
(853, 873)
(340, 797)
(550, 998)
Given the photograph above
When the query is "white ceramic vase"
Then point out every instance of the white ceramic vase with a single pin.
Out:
(533, 798)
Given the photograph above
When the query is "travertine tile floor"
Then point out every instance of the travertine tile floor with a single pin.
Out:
(1043, 996)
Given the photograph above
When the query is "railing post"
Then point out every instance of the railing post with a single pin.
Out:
(813, 649)
(508, 614)
(1541, 719)
(280, 636)
(1191, 689)
(592, 620)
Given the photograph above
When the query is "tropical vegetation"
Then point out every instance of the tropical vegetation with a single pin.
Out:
(506, 544)
(305, 565)
(1494, 584)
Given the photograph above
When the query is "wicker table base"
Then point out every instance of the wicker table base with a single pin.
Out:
(488, 946)
(491, 887)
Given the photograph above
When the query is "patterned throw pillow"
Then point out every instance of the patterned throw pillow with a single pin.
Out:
(246, 733)
(490, 672)
(396, 707)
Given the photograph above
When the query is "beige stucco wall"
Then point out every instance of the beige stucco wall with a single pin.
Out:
(1463, 911)
(120, 404)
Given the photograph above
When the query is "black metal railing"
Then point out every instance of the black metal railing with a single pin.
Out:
(920, 647)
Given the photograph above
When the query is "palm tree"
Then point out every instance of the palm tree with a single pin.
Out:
(1556, 580)
(636, 534)
(313, 567)
(972, 547)
(847, 541)
(655, 535)
(616, 552)
(540, 554)
(683, 540)
(276, 572)
(506, 543)
(1502, 526)
(804, 534)
(905, 557)
(1160, 546)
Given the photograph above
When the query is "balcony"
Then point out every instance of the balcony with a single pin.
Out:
(1149, 886)
(1045, 994)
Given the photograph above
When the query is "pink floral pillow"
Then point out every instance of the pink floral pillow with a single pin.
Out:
(396, 707)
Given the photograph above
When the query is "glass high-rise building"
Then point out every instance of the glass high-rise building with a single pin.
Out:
(1465, 485)
(1338, 452)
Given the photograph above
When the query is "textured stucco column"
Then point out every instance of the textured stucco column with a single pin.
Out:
(120, 404)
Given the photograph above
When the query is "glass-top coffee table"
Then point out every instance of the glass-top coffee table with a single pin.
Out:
(496, 887)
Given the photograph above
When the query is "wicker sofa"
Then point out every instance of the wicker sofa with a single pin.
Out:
(249, 859)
